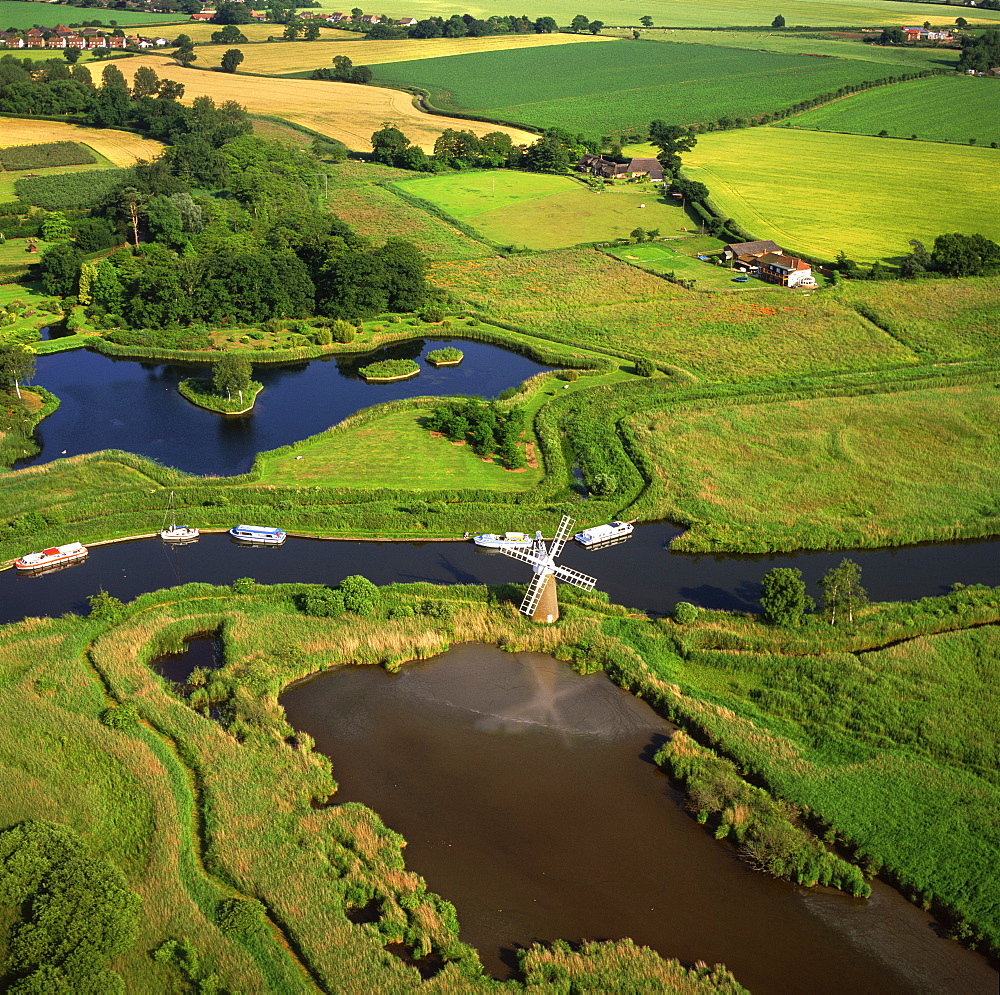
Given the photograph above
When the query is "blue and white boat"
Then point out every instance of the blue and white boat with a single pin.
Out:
(505, 540)
(604, 535)
(258, 535)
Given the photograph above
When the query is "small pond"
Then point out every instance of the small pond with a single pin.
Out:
(529, 799)
(135, 406)
(203, 651)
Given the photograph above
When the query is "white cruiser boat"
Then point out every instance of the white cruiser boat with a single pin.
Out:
(174, 532)
(602, 534)
(505, 540)
(259, 535)
(72, 552)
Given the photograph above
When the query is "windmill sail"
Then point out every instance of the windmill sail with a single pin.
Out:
(562, 534)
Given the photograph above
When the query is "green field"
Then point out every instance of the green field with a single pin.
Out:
(19, 15)
(539, 211)
(823, 193)
(800, 43)
(724, 13)
(619, 87)
(359, 196)
(677, 258)
(821, 472)
(941, 109)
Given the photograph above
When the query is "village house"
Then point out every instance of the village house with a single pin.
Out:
(406, 22)
(788, 271)
(203, 15)
(748, 250)
(338, 16)
(371, 19)
(608, 169)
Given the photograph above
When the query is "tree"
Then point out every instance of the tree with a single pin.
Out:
(55, 227)
(778, 22)
(961, 22)
(361, 596)
(595, 27)
(342, 68)
(60, 269)
(965, 255)
(232, 373)
(361, 74)
(145, 83)
(229, 35)
(545, 26)
(312, 31)
(17, 363)
(231, 59)
(580, 23)
(72, 55)
(917, 262)
(184, 54)
(842, 591)
(111, 104)
(845, 265)
(891, 36)
(783, 597)
(292, 30)
(646, 22)
(547, 155)
(672, 141)
(387, 142)
(232, 13)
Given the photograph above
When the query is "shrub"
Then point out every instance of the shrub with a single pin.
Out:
(321, 603)
(685, 613)
(123, 716)
(106, 608)
(240, 916)
(343, 331)
(645, 367)
(360, 595)
(432, 314)
(243, 585)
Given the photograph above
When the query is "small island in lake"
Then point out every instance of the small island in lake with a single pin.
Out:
(449, 356)
(231, 391)
(387, 370)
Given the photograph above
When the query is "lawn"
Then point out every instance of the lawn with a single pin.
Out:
(19, 15)
(344, 111)
(835, 192)
(358, 196)
(290, 58)
(941, 109)
(539, 211)
(585, 296)
(799, 43)
(675, 258)
(397, 443)
(619, 87)
(116, 148)
(693, 13)
(870, 470)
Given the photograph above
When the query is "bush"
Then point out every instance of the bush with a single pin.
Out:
(106, 608)
(123, 716)
(243, 585)
(240, 916)
(360, 595)
(343, 331)
(321, 603)
(432, 314)
(645, 367)
(685, 613)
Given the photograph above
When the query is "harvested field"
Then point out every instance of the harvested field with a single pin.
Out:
(121, 147)
(343, 111)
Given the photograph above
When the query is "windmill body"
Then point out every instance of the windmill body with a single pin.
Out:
(540, 602)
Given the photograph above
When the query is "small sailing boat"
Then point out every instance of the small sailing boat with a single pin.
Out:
(176, 533)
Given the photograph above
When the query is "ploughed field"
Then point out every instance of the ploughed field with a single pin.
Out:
(940, 109)
(621, 86)
(821, 193)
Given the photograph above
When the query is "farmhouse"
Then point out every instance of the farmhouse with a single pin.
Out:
(788, 271)
(739, 250)
(610, 170)
(406, 22)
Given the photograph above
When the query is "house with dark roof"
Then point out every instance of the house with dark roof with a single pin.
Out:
(608, 169)
(737, 249)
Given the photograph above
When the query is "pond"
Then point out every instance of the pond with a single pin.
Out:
(135, 406)
(528, 798)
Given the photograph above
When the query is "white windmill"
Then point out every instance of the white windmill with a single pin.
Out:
(540, 602)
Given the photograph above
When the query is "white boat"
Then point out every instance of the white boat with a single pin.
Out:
(175, 532)
(258, 535)
(72, 552)
(601, 534)
(505, 540)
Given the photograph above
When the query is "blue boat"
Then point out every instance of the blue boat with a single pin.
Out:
(258, 535)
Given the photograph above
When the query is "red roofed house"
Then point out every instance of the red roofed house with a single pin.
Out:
(786, 270)
(205, 15)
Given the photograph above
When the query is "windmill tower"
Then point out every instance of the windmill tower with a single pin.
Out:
(540, 603)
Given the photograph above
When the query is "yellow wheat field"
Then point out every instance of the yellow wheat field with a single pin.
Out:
(121, 147)
(300, 56)
(343, 111)
(202, 31)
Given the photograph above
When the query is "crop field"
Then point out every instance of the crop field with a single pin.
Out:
(17, 14)
(619, 87)
(539, 211)
(797, 43)
(791, 471)
(344, 111)
(357, 196)
(290, 58)
(677, 259)
(723, 13)
(358, 458)
(840, 189)
(941, 109)
(200, 32)
(585, 296)
(118, 148)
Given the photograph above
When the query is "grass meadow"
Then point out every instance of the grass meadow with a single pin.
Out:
(619, 87)
(115, 148)
(359, 196)
(940, 109)
(282, 58)
(540, 211)
(829, 46)
(585, 296)
(796, 474)
(837, 190)
(693, 14)
(344, 111)
(19, 15)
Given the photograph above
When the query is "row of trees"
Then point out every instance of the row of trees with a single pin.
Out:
(786, 603)
(487, 428)
(953, 255)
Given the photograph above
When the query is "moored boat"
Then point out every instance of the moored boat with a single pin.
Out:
(260, 535)
(601, 534)
(175, 532)
(72, 552)
(505, 540)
